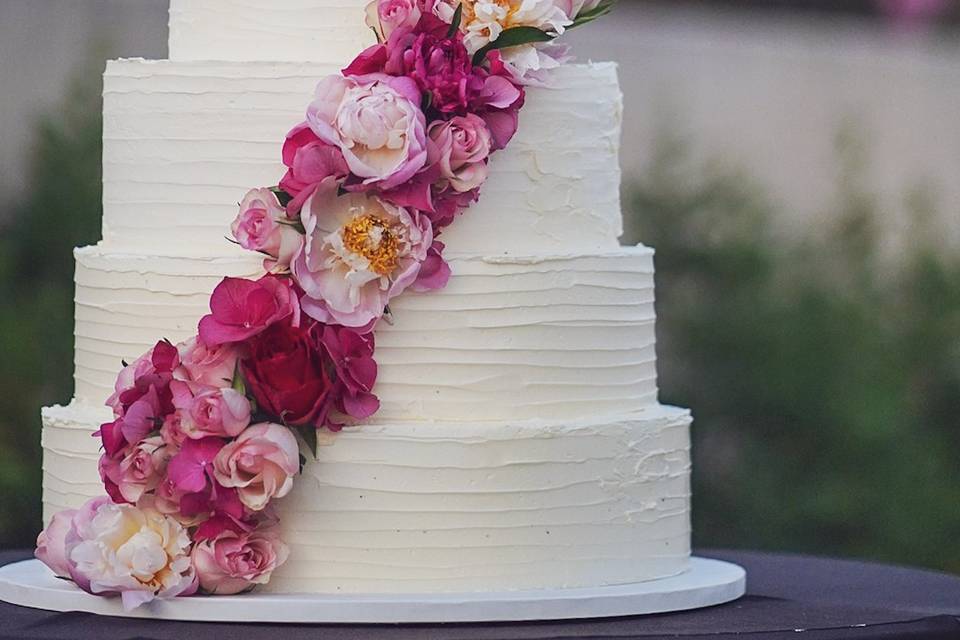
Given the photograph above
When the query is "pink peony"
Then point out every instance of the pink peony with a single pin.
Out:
(309, 162)
(212, 366)
(387, 16)
(376, 123)
(356, 370)
(210, 411)
(260, 464)
(137, 553)
(262, 225)
(461, 148)
(235, 561)
(51, 543)
(360, 252)
(243, 308)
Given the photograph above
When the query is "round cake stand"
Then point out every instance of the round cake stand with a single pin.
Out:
(708, 582)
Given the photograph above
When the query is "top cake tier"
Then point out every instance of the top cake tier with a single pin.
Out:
(331, 31)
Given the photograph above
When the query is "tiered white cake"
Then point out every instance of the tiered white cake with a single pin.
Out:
(520, 443)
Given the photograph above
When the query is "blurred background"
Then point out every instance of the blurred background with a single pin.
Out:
(796, 163)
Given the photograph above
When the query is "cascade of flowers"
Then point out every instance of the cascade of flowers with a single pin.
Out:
(208, 432)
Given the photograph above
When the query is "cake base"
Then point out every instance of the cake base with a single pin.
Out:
(708, 582)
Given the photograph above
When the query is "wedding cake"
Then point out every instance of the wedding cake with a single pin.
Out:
(519, 442)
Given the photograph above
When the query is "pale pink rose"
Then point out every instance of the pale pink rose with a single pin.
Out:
(137, 553)
(461, 148)
(209, 411)
(260, 464)
(212, 366)
(386, 16)
(360, 252)
(235, 561)
(375, 120)
(262, 225)
(140, 470)
(51, 543)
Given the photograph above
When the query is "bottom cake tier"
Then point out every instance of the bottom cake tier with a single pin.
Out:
(411, 507)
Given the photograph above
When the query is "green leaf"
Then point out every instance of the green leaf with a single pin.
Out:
(282, 196)
(598, 11)
(427, 101)
(377, 35)
(513, 37)
(308, 433)
(237, 383)
(455, 23)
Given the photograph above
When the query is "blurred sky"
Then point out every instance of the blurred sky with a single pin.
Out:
(767, 91)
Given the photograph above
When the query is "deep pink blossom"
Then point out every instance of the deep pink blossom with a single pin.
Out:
(243, 308)
(309, 162)
(356, 370)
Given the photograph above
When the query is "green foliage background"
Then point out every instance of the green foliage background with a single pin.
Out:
(824, 377)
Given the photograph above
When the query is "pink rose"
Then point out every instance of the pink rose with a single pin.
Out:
(237, 560)
(138, 553)
(210, 411)
(129, 477)
(51, 543)
(386, 16)
(262, 225)
(260, 464)
(360, 252)
(212, 366)
(461, 148)
(243, 308)
(376, 123)
(309, 162)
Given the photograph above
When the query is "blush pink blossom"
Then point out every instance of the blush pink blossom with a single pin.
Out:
(236, 561)
(138, 553)
(309, 162)
(376, 122)
(51, 543)
(461, 148)
(140, 470)
(243, 308)
(387, 16)
(212, 366)
(262, 225)
(209, 411)
(360, 252)
(260, 464)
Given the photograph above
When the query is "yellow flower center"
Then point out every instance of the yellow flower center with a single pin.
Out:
(371, 237)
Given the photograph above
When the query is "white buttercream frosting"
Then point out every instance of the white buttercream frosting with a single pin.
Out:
(183, 141)
(298, 30)
(458, 506)
(508, 338)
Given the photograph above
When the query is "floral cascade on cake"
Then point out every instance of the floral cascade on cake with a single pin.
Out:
(205, 432)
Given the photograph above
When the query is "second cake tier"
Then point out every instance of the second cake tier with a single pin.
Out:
(510, 337)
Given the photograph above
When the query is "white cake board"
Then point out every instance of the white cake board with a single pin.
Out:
(708, 582)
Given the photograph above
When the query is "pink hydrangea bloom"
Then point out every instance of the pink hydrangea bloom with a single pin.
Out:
(243, 308)
(356, 370)
(309, 162)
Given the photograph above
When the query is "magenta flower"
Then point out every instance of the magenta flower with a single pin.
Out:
(309, 162)
(243, 308)
(356, 370)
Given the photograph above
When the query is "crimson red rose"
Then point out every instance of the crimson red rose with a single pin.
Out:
(287, 372)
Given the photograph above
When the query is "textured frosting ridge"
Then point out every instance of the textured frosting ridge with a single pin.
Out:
(435, 506)
(509, 337)
(183, 141)
(297, 30)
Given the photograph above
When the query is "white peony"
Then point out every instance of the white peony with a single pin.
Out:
(136, 552)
